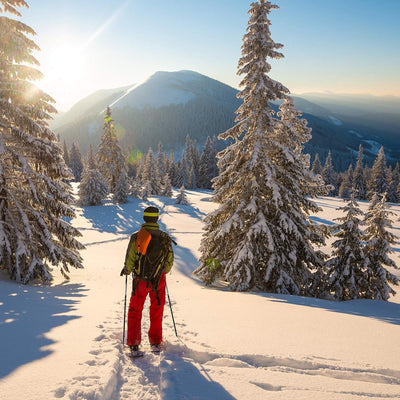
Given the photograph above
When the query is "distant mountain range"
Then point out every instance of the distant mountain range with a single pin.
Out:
(171, 105)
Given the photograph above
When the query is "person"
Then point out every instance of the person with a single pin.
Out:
(158, 258)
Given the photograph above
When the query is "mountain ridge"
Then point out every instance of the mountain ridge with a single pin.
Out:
(168, 106)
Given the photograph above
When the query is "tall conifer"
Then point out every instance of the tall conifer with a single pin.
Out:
(378, 245)
(260, 236)
(34, 198)
(345, 278)
(110, 159)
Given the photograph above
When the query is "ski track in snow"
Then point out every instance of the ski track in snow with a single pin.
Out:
(184, 373)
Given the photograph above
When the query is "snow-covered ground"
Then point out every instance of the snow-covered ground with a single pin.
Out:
(64, 341)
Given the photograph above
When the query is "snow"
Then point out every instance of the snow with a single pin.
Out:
(335, 121)
(353, 132)
(374, 146)
(64, 341)
(161, 89)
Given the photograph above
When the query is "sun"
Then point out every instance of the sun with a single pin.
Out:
(65, 63)
(63, 66)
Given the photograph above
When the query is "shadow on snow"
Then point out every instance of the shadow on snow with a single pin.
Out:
(27, 314)
(187, 381)
(376, 309)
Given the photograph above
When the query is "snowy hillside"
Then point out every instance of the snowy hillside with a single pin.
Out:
(170, 105)
(64, 341)
(161, 89)
(166, 107)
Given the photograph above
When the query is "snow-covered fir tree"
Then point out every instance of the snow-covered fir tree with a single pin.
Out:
(75, 161)
(122, 189)
(150, 175)
(294, 132)
(345, 269)
(181, 198)
(208, 169)
(190, 164)
(394, 181)
(162, 164)
(34, 198)
(135, 188)
(110, 159)
(93, 188)
(178, 175)
(359, 183)
(146, 190)
(378, 245)
(329, 175)
(66, 153)
(378, 180)
(260, 235)
(166, 186)
(172, 170)
(90, 161)
(346, 185)
(316, 166)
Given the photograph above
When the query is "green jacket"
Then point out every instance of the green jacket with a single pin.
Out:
(131, 253)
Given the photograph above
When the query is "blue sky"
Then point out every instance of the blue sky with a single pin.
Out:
(343, 46)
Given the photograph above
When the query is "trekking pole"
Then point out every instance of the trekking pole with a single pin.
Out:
(170, 307)
(126, 285)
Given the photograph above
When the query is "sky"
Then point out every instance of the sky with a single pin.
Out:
(340, 46)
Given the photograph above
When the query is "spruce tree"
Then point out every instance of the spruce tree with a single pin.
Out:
(316, 166)
(260, 236)
(75, 161)
(93, 188)
(394, 181)
(359, 183)
(135, 188)
(34, 198)
(345, 269)
(181, 198)
(207, 164)
(122, 188)
(378, 181)
(150, 175)
(165, 180)
(90, 162)
(110, 159)
(345, 188)
(66, 153)
(329, 175)
(166, 189)
(378, 240)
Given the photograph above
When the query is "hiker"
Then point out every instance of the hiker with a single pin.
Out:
(149, 258)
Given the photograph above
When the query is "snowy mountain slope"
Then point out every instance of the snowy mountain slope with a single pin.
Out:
(66, 338)
(163, 89)
(166, 107)
(170, 105)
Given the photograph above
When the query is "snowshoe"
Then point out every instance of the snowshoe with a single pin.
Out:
(135, 352)
(155, 348)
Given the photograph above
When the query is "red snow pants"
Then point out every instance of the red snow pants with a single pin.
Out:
(156, 313)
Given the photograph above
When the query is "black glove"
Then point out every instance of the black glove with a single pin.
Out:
(124, 271)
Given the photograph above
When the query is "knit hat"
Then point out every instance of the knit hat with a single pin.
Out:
(150, 214)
